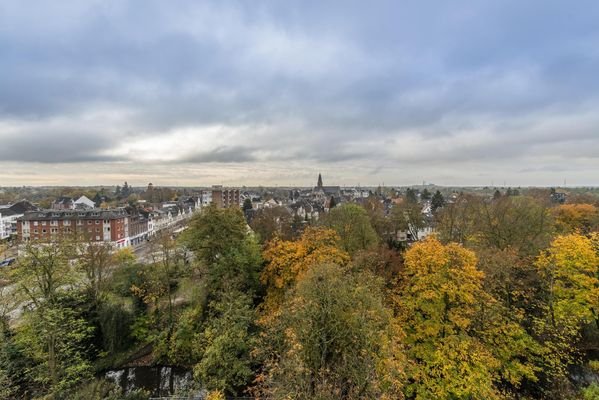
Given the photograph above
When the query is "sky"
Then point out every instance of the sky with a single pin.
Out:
(195, 93)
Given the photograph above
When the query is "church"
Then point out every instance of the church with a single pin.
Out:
(323, 193)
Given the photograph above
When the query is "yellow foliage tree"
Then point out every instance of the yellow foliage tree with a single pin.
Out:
(569, 268)
(576, 217)
(287, 261)
(458, 341)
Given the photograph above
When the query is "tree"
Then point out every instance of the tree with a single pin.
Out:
(458, 344)
(380, 223)
(569, 275)
(576, 217)
(426, 195)
(458, 222)
(407, 217)
(352, 224)
(54, 336)
(215, 231)
(332, 203)
(411, 196)
(97, 262)
(520, 223)
(437, 202)
(160, 280)
(247, 205)
(570, 270)
(53, 331)
(272, 221)
(288, 261)
(225, 344)
(44, 271)
(334, 339)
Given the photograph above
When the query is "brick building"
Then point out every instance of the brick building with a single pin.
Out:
(225, 197)
(90, 225)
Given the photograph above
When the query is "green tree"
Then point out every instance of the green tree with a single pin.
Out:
(55, 337)
(437, 202)
(426, 195)
(411, 196)
(215, 231)
(225, 344)
(353, 226)
(247, 205)
(333, 339)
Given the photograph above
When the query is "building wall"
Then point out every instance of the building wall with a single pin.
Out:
(225, 198)
(93, 227)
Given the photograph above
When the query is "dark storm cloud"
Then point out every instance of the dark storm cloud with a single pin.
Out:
(327, 82)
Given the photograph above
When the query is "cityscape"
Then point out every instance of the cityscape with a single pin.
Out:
(299, 200)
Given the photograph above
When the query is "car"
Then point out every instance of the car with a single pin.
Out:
(7, 262)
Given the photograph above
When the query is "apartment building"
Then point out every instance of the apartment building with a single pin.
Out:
(225, 197)
(90, 225)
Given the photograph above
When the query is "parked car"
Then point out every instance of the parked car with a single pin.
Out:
(7, 262)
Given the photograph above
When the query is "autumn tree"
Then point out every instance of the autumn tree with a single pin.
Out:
(569, 273)
(334, 339)
(272, 221)
(521, 223)
(457, 221)
(96, 261)
(570, 218)
(375, 210)
(53, 332)
(458, 345)
(287, 261)
(352, 224)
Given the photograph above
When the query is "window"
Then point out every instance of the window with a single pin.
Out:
(35, 231)
(43, 231)
(66, 223)
(97, 229)
(35, 223)
(54, 230)
(53, 223)
(97, 237)
(97, 222)
(89, 222)
(79, 222)
(43, 223)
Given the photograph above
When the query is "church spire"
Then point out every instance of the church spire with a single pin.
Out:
(319, 181)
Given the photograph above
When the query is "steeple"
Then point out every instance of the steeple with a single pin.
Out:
(319, 181)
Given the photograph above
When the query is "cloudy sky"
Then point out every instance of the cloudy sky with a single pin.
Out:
(273, 92)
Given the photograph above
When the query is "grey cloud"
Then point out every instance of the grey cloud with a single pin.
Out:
(334, 83)
(52, 146)
(223, 154)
